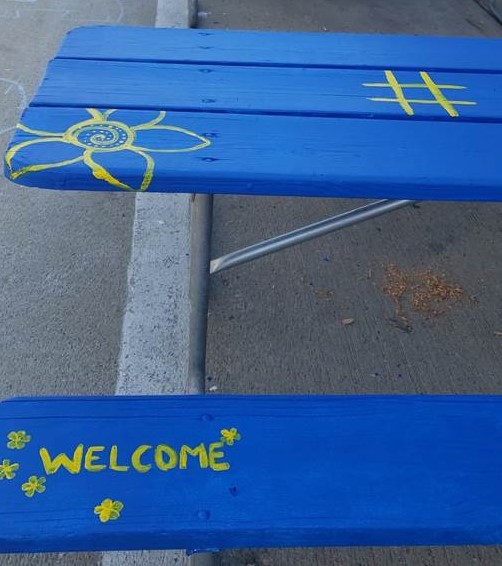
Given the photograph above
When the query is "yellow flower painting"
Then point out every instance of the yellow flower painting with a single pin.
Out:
(108, 510)
(102, 134)
(229, 436)
(33, 485)
(17, 439)
(8, 470)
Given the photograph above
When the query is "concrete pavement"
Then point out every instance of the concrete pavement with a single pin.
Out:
(276, 324)
(63, 257)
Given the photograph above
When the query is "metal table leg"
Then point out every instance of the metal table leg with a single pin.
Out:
(202, 215)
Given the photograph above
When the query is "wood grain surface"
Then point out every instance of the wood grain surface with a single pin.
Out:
(268, 471)
(260, 113)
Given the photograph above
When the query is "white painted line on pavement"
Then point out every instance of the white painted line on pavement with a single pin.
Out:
(154, 350)
(155, 331)
(176, 13)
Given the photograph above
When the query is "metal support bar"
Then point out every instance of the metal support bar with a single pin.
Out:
(200, 248)
(200, 253)
(306, 233)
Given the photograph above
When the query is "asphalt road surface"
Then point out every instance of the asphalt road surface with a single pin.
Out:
(277, 325)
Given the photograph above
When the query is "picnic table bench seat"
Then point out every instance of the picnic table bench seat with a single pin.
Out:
(216, 472)
(333, 115)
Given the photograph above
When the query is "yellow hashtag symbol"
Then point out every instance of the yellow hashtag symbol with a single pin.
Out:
(429, 84)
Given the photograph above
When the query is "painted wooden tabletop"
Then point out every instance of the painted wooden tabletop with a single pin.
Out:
(213, 472)
(268, 113)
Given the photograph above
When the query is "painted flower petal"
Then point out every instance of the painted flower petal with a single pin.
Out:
(118, 505)
(50, 122)
(169, 139)
(151, 123)
(39, 133)
(108, 510)
(31, 155)
(137, 162)
(96, 114)
(133, 118)
(101, 172)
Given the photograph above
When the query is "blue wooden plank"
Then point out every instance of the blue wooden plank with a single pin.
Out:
(276, 48)
(261, 471)
(272, 155)
(259, 90)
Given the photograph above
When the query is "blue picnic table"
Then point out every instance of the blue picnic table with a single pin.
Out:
(258, 113)
(389, 117)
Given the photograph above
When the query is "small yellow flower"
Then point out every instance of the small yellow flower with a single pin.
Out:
(229, 436)
(108, 510)
(7, 470)
(17, 439)
(33, 485)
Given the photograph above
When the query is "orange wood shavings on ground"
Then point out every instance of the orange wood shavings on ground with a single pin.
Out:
(425, 291)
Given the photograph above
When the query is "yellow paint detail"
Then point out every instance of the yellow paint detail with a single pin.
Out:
(106, 136)
(90, 457)
(150, 164)
(417, 85)
(114, 465)
(96, 458)
(136, 458)
(8, 470)
(38, 132)
(33, 485)
(420, 101)
(100, 134)
(72, 465)
(438, 95)
(96, 114)
(429, 85)
(149, 125)
(17, 439)
(33, 168)
(101, 173)
(398, 91)
(216, 454)
(229, 436)
(160, 462)
(30, 168)
(108, 510)
(199, 451)
(204, 142)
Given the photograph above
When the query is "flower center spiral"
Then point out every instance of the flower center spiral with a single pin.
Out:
(100, 136)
